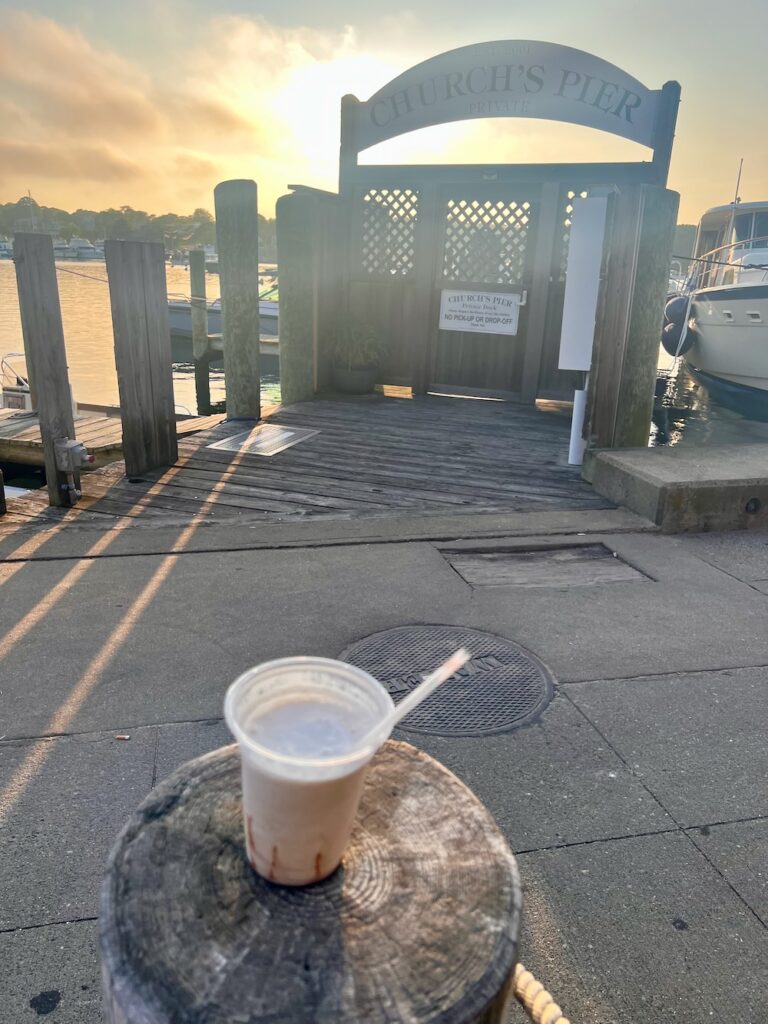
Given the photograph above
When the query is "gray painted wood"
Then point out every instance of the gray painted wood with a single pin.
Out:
(419, 924)
(139, 300)
(45, 353)
(237, 242)
(579, 565)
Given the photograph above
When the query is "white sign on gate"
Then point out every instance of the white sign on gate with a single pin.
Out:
(582, 282)
(481, 312)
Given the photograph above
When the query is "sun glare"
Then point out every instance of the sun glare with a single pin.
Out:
(309, 102)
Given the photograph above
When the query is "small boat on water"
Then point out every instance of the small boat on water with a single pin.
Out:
(180, 313)
(15, 392)
(180, 316)
(719, 320)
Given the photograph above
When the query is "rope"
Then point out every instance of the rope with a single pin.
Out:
(535, 1000)
(79, 273)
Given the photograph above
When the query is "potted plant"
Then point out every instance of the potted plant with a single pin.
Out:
(355, 354)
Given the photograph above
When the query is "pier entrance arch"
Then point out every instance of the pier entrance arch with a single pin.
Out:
(461, 268)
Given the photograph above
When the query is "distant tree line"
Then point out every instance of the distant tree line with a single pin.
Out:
(176, 231)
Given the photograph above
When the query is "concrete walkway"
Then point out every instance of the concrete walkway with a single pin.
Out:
(637, 804)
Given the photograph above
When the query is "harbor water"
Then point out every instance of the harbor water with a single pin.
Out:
(687, 409)
(85, 312)
(693, 410)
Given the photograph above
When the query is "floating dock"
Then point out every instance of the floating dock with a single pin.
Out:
(100, 431)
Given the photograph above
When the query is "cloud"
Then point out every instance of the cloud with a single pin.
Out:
(73, 111)
(199, 117)
(68, 85)
(81, 162)
(194, 166)
(253, 100)
(288, 83)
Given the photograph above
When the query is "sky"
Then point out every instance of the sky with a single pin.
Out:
(150, 103)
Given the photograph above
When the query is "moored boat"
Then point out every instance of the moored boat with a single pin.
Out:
(180, 314)
(719, 322)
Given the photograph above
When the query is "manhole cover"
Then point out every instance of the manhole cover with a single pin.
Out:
(502, 687)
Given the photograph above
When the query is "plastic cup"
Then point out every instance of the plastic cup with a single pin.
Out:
(299, 723)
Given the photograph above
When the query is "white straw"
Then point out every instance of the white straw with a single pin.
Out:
(441, 674)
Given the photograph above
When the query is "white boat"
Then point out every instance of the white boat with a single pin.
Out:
(180, 312)
(6, 249)
(14, 383)
(720, 320)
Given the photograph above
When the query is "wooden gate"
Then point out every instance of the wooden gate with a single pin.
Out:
(483, 246)
(420, 230)
(411, 243)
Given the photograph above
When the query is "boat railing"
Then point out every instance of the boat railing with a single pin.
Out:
(712, 267)
(10, 376)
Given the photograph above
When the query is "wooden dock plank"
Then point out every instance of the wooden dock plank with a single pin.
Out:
(372, 458)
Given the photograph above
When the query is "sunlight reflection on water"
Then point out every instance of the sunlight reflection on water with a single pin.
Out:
(85, 311)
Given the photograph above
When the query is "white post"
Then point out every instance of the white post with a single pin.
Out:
(582, 284)
(577, 443)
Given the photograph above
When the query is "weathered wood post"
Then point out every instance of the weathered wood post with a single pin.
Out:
(296, 238)
(45, 355)
(639, 234)
(237, 241)
(3, 506)
(139, 299)
(312, 235)
(387, 937)
(200, 350)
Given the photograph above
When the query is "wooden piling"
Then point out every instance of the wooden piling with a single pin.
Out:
(296, 242)
(639, 233)
(45, 355)
(3, 506)
(237, 242)
(200, 349)
(139, 299)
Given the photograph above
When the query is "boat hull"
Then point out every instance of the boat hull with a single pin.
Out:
(269, 353)
(731, 335)
(180, 318)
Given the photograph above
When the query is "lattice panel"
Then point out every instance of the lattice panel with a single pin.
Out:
(486, 241)
(389, 231)
(566, 233)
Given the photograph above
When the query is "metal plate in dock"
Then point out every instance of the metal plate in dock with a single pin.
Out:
(266, 439)
(567, 565)
(502, 687)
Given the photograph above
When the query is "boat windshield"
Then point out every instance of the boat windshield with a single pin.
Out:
(743, 261)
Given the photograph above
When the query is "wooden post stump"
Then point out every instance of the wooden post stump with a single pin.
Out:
(237, 241)
(201, 355)
(139, 299)
(46, 356)
(419, 924)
